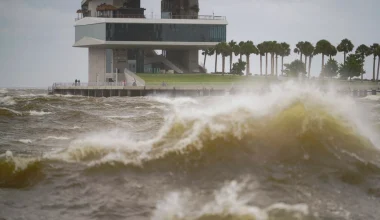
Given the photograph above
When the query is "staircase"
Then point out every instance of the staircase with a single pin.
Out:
(131, 77)
(165, 61)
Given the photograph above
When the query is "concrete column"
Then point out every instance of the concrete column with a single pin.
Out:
(97, 65)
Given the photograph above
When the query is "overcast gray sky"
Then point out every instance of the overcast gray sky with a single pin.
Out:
(36, 36)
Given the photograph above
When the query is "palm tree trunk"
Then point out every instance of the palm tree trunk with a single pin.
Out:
(306, 63)
(310, 57)
(282, 66)
(301, 57)
(204, 62)
(261, 65)
(272, 64)
(241, 57)
(216, 62)
(378, 67)
(223, 64)
(361, 77)
(323, 64)
(344, 54)
(276, 65)
(248, 65)
(374, 67)
(230, 63)
(266, 64)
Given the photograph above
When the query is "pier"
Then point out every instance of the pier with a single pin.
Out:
(191, 90)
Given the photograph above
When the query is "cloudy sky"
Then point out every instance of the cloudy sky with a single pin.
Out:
(36, 36)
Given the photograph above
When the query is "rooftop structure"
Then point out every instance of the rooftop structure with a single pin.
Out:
(121, 39)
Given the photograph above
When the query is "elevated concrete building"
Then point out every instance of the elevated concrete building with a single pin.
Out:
(121, 39)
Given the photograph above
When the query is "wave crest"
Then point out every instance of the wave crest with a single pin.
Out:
(233, 201)
(300, 125)
(16, 172)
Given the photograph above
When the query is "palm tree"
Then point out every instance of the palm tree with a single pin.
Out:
(299, 48)
(261, 48)
(345, 46)
(272, 49)
(323, 47)
(373, 50)
(224, 49)
(248, 49)
(241, 43)
(297, 51)
(284, 52)
(364, 51)
(232, 44)
(211, 52)
(266, 45)
(205, 52)
(308, 52)
(333, 51)
(278, 52)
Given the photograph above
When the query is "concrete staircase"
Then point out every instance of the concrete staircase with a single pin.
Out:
(165, 61)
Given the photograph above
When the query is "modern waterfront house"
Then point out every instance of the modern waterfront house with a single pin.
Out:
(122, 39)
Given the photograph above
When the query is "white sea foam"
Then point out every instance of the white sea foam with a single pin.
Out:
(7, 101)
(19, 162)
(233, 199)
(220, 117)
(25, 141)
(120, 116)
(175, 101)
(66, 96)
(372, 97)
(34, 95)
(39, 113)
(56, 138)
(3, 91)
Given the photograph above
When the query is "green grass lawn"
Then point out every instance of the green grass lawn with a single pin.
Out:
(155, 79)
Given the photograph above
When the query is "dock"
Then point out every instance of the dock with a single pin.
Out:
(119, 90)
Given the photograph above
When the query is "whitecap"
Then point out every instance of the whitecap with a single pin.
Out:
(372, 98)
(56, 138)
(3, 91)
(7, 100)
(233, 199)
(120, 116)
(25, 141)
(39, 113)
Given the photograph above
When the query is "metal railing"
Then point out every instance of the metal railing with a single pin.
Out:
(92, 84)
(151, 16)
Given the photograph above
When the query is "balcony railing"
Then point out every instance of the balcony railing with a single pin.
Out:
(196, 17)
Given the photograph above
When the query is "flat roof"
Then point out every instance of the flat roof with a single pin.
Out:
(97, 20)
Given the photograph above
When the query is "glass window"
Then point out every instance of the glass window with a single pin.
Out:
(166, 32)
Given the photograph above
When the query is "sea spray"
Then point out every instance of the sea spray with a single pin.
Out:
(234, 200)
(301, 120)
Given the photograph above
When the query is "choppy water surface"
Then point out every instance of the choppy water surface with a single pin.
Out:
(292, 153)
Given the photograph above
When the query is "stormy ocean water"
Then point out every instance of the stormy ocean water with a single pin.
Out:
(294, 152)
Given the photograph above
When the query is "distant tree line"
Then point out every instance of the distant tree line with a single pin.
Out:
(352, 65)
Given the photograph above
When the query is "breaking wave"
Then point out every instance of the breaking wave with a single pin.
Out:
(9, 112)
(7, 101)
(16, 172)
(25, 141)
(233, 201)
(56, 138)
(372, 97)
(290, 124)
(39, 113)
(3, 91)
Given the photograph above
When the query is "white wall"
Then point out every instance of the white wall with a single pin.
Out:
(96, 64)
